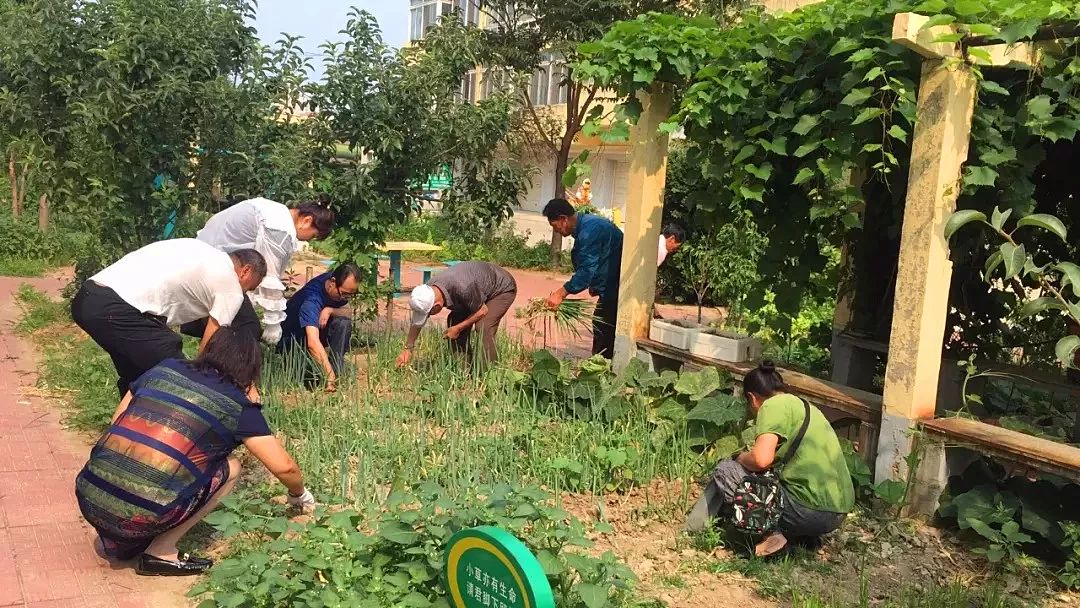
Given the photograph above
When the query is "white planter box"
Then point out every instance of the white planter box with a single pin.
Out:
(671, 334)
(729, 347)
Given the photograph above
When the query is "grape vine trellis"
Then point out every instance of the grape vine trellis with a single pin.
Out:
(806, 118)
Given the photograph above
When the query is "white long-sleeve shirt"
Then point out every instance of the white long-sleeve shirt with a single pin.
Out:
(267, 227)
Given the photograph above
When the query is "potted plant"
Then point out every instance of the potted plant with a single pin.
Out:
(723, 265)
(679, 334)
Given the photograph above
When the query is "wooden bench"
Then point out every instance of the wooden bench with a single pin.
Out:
(858, 410)
(1027, 451)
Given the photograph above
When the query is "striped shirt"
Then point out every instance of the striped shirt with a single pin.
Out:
(179, 429)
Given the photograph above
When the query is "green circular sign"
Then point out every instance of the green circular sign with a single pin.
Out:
(487, 567)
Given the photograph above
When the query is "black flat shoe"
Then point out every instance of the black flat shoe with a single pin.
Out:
(187, 565)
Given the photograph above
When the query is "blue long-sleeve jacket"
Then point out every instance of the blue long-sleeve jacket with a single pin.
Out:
(597, 256)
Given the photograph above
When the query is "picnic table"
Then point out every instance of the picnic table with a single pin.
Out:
(394, 249)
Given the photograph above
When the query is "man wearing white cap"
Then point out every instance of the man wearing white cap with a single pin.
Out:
(476, 293)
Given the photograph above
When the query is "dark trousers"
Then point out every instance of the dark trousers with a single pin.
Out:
(246, 320)
(797, 520)
(336, 338)
(603, 327)
(487, 327)
(135, 341)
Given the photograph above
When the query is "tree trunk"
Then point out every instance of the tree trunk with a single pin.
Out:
(562, 160)
(14, 179)
(23, 179)
(43, 213)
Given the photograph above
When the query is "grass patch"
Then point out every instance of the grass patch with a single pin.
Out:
(19, 267)
(72, 367)
(445, 435)
(39, 311)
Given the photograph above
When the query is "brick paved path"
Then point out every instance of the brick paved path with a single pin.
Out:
(46, 549)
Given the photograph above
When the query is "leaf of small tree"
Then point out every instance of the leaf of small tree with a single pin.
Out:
(1040, 107)
(961, 219)
(1014, 256)
(1070, 276)
(997, 220)
(1066, 348)
(1046, 222)
(898, 132)
(992, 263)
(1038, 305)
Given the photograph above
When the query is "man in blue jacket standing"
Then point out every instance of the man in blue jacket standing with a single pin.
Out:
(597, 259)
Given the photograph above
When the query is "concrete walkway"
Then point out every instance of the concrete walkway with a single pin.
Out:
(47, 557)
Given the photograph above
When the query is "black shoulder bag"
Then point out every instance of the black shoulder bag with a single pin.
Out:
(759, 500)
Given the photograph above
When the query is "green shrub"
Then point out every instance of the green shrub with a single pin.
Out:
(393, 554)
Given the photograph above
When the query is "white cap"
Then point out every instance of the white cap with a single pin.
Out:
(421, 301)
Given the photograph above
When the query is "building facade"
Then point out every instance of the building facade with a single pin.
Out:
(609, 162)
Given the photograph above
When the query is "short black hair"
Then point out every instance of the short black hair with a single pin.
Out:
(250, 257)
(558, 207)
(322, 216)
(676, 231)
(346, 270)
(233, 354)
(764, 381)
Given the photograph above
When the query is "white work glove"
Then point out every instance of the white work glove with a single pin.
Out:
(271, 334)
(302, 501)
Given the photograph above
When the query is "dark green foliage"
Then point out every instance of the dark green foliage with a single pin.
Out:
(690, 404)
(393, 555)
(801, 118)
(1014, 516)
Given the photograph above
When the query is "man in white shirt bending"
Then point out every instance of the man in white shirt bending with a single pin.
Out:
(127, 308)
(275, 231)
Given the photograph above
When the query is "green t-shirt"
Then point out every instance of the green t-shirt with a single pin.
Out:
(817, 474)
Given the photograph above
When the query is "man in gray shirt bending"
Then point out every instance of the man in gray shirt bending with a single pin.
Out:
(476, 293)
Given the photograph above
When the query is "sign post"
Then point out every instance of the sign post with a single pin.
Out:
(487, 567)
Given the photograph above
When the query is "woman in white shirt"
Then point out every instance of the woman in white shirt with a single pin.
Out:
(275, 231)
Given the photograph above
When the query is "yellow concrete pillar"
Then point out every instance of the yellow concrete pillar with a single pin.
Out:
(644, 213)
(939, 148)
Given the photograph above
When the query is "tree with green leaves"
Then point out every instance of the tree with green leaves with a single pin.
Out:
(806, 119)
(400, 115)
(722, 265)
(101, 98)
(526, 37)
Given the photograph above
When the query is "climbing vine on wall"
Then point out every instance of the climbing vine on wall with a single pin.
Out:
(806, 118)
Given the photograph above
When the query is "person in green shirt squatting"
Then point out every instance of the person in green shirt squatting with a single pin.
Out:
(815, 481)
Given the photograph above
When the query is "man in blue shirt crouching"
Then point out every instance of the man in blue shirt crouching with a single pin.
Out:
(315, 318)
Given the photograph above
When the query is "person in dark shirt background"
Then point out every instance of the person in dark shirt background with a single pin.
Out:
(597, 259)
(315, 318)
